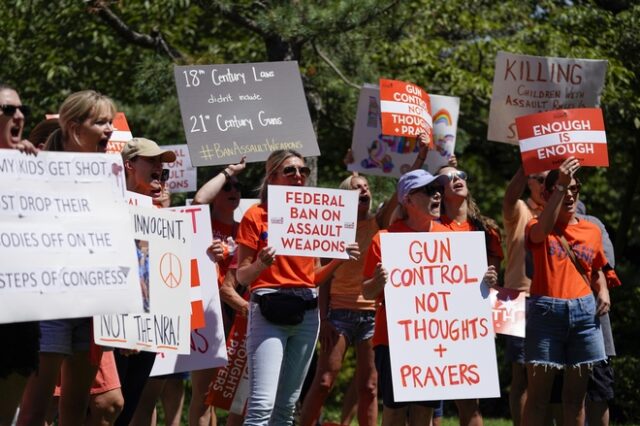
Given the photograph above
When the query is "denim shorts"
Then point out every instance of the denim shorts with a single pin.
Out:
(563, 332)
(514, 349)
(65, 336)
(356, 326)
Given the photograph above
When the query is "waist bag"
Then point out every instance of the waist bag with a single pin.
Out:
(282, 308)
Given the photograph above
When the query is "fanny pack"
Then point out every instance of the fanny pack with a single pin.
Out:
(283, 308)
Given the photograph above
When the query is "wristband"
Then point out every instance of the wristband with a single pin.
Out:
(226, 174)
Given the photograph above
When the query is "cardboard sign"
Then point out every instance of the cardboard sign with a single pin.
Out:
(182, 176)
(229, 389)
(313, 222)
(405, 109)
(441, 337)
(508, 308)
(207, 339)
(548, 138)
(121, 134)
(65, 237)
(163, 325)
(524, 84)
(233, 110)
(377, 154)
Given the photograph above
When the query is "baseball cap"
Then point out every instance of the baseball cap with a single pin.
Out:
(142, 147)
(416, 179)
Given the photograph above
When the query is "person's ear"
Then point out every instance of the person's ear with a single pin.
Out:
(128, 165)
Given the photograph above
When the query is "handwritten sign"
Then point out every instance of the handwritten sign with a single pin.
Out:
(182, 175)
(243, 109)
(136, 199)
(438, 313)
(548, 138)
(315, 222)
(508, 308)
(229, 389)
(377, 154)
(207, 340)
(164, 239)
(405, 109)
(524, 84)
(65, 237)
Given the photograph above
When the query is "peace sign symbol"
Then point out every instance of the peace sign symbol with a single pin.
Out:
(170, 270)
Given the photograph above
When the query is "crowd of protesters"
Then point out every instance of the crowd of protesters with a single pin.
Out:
(54, 372)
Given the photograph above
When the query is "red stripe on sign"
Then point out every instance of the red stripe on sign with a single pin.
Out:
(589, 154)
(197, 307)
(559, 121)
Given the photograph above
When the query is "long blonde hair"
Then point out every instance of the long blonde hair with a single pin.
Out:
(78, 107)
(273, 162)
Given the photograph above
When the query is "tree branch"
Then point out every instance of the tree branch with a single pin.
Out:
(333, 66)
(153, 41)
(233, 13)
(343, 27)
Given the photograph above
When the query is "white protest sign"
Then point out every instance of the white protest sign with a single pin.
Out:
(381, 155)
(164, 284)
(65, 237)
(524, 85)
(315, 222)
(441, 336)
(208, 348)
(140, 200)
(508, 307)
(242, 208)
(182, 175)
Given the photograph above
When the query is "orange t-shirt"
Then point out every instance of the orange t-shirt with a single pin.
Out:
(554, 274)
(374, 255)
(346, 285)
(223, 231)
(286, 271)
(494, 249)
(515, 276)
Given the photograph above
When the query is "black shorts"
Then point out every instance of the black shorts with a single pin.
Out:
(600, 386)
(385, 384)
(21, 352)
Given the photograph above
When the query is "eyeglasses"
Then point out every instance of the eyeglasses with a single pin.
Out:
(429, 190)
(10, 110)
(538, 179)
(165, 175)
(574, 189)
(292, 170)
(457, 174)
(232, 185)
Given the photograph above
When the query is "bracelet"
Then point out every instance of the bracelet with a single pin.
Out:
(226, 174)
(421, 158)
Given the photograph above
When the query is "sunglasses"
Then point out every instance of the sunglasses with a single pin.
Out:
(292, 170)
(232, 185)
(165, 175)
(429, 190)
(457, 174)
(10, 110)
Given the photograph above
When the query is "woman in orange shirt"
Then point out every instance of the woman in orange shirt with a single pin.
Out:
(283, 314)
(563, 330)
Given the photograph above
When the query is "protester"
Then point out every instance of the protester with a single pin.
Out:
(420, 197)
(459, 214)
(563, 330)
(19, 359)
(347, 318)
(278, 353)
(85, 126)
(222, 193)
(143, 164)
(516, 214)
(40, 133)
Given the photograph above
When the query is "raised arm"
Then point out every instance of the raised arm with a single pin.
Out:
(549, 216)
(514, 191)
(212, 188)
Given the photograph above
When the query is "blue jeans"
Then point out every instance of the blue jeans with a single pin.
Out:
(355, 326)
(563, 332)
(279, 357)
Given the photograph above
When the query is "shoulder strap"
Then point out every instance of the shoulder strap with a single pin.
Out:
(572, 256)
